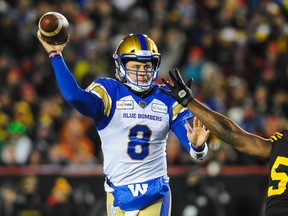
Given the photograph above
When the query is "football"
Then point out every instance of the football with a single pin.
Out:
(54, 28)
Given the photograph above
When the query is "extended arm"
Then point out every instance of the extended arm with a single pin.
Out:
(220, 125)
(86, 103)
(228, 131)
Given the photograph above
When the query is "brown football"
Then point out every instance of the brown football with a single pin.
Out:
(54, 28)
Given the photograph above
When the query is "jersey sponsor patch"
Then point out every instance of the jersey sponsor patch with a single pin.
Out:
(159, 108)
(124, 104)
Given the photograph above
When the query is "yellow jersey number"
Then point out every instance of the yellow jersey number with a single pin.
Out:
(278, 176)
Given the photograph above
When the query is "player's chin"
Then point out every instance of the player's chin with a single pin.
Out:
(144, 83)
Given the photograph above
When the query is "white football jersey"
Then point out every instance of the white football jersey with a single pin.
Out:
(134, 131)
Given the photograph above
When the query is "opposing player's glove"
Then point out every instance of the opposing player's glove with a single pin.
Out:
(179, 90)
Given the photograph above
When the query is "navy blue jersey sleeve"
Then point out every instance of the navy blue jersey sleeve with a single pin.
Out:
(178, 125)
(85, 102)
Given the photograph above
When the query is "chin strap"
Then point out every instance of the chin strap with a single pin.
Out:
(140, 94)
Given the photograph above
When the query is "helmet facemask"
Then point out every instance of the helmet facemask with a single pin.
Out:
(138, 48)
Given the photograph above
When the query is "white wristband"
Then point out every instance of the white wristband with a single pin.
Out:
(199, 155)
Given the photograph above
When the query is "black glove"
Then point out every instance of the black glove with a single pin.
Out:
(179, 90)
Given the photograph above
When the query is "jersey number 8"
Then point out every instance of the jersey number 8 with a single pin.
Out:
(138, 146)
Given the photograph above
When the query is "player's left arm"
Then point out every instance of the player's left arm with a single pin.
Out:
(193, 138)
(198, 134)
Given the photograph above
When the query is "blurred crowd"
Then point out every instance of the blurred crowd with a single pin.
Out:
(235, 51)
(26, 197)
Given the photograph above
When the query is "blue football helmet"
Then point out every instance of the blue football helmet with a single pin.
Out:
(137, 47)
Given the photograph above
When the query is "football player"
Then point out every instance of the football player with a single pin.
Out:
(133, 118)
(273, 150)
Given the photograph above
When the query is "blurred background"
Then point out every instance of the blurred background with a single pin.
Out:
(50, 156)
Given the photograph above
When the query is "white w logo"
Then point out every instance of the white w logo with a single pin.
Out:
(135, 189)
(111, 210)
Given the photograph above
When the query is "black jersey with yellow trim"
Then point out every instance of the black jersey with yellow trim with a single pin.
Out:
(277, 194)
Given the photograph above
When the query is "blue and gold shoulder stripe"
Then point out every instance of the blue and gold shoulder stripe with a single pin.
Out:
(177, 109)
(101, 92)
